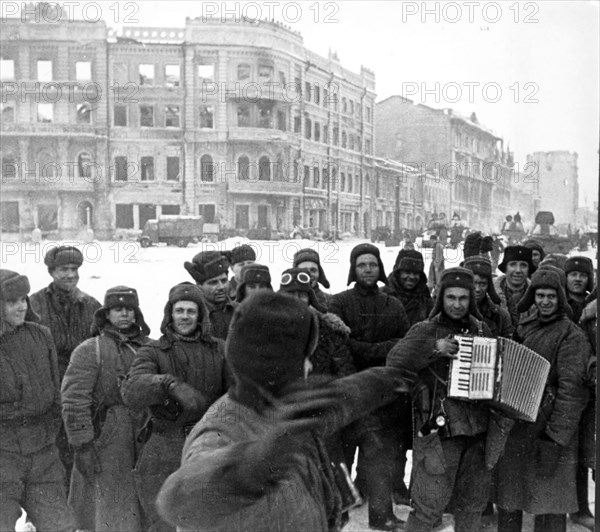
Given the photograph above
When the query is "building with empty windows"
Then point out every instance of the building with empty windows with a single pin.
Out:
(234, 120)
(556, 178)
(476, 175)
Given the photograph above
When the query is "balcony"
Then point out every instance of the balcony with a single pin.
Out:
(52, 129)
(61, 182)
(260, 134)
(248, 91)
(265, 188)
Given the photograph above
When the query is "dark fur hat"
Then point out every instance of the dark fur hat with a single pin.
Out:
(242, 253)
(252, 273)
(520, 253)
(483, 266)
(546, 277)
(310, 255)
(14, 286)
(62, 255)
(187, 292)
(120, 296)
(456, 278)
(206, 265)
(269, 338)
(532, 243)
(364, 249)
(583, 265)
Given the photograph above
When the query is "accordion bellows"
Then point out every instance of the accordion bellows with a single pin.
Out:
(508, 375)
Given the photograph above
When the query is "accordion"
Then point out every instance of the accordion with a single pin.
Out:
(508, 375)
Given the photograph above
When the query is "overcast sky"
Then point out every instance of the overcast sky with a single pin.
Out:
(530, 70)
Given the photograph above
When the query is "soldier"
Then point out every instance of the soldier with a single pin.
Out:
(488, 301)
(253, 277)
(238, 257)
(517, 265)
(408, 283)
(69, 313)
(448, 455)
(537, 471)
(177, 377)
(537, 251)
(32, 476)
(580, 282)
(309, 259)
(257, 460)
(376, 320)
(99, 426)
(209, 270)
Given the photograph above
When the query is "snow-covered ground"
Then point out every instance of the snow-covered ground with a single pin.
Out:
(153, 271)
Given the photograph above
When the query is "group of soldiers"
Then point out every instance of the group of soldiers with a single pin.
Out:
(241, 414)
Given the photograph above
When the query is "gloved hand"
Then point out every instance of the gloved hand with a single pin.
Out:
(86, 460)
(294, 419)
(188, 398)
(548, 456)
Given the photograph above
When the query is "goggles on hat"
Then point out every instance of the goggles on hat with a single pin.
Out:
(301, 277)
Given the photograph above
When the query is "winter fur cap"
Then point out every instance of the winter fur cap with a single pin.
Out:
(119, 296)
(186, 292)
(14, 286)
(308, 254)
(296, 286)
(583, 265)
(556, 259)
(242, 253)
(206, 265)
(63, 255)
(252, 273)
(517, 253)
(546, 277)
(477, 244)
(535, 244)
(269, 338)
(410, 260)
(456, 278)
(364, 249)
(483, 266)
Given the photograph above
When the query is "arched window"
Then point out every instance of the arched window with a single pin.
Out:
(207, 174)
(316, 176)
(350, 182)
(344, 139)
(264, 169)
(243, 168)
(343, 182)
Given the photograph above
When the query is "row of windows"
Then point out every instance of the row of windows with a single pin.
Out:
(44, 70)
(126, 170)
(170, 76)
(46, 166)
(45, 113)
(312, 131)
(317, 178)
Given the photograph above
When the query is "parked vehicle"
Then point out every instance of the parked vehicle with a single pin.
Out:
(174, 230)
(381, 233)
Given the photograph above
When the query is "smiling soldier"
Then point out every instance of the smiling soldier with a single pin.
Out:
(68, 313)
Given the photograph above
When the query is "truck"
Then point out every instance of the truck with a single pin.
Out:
(173, 230)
